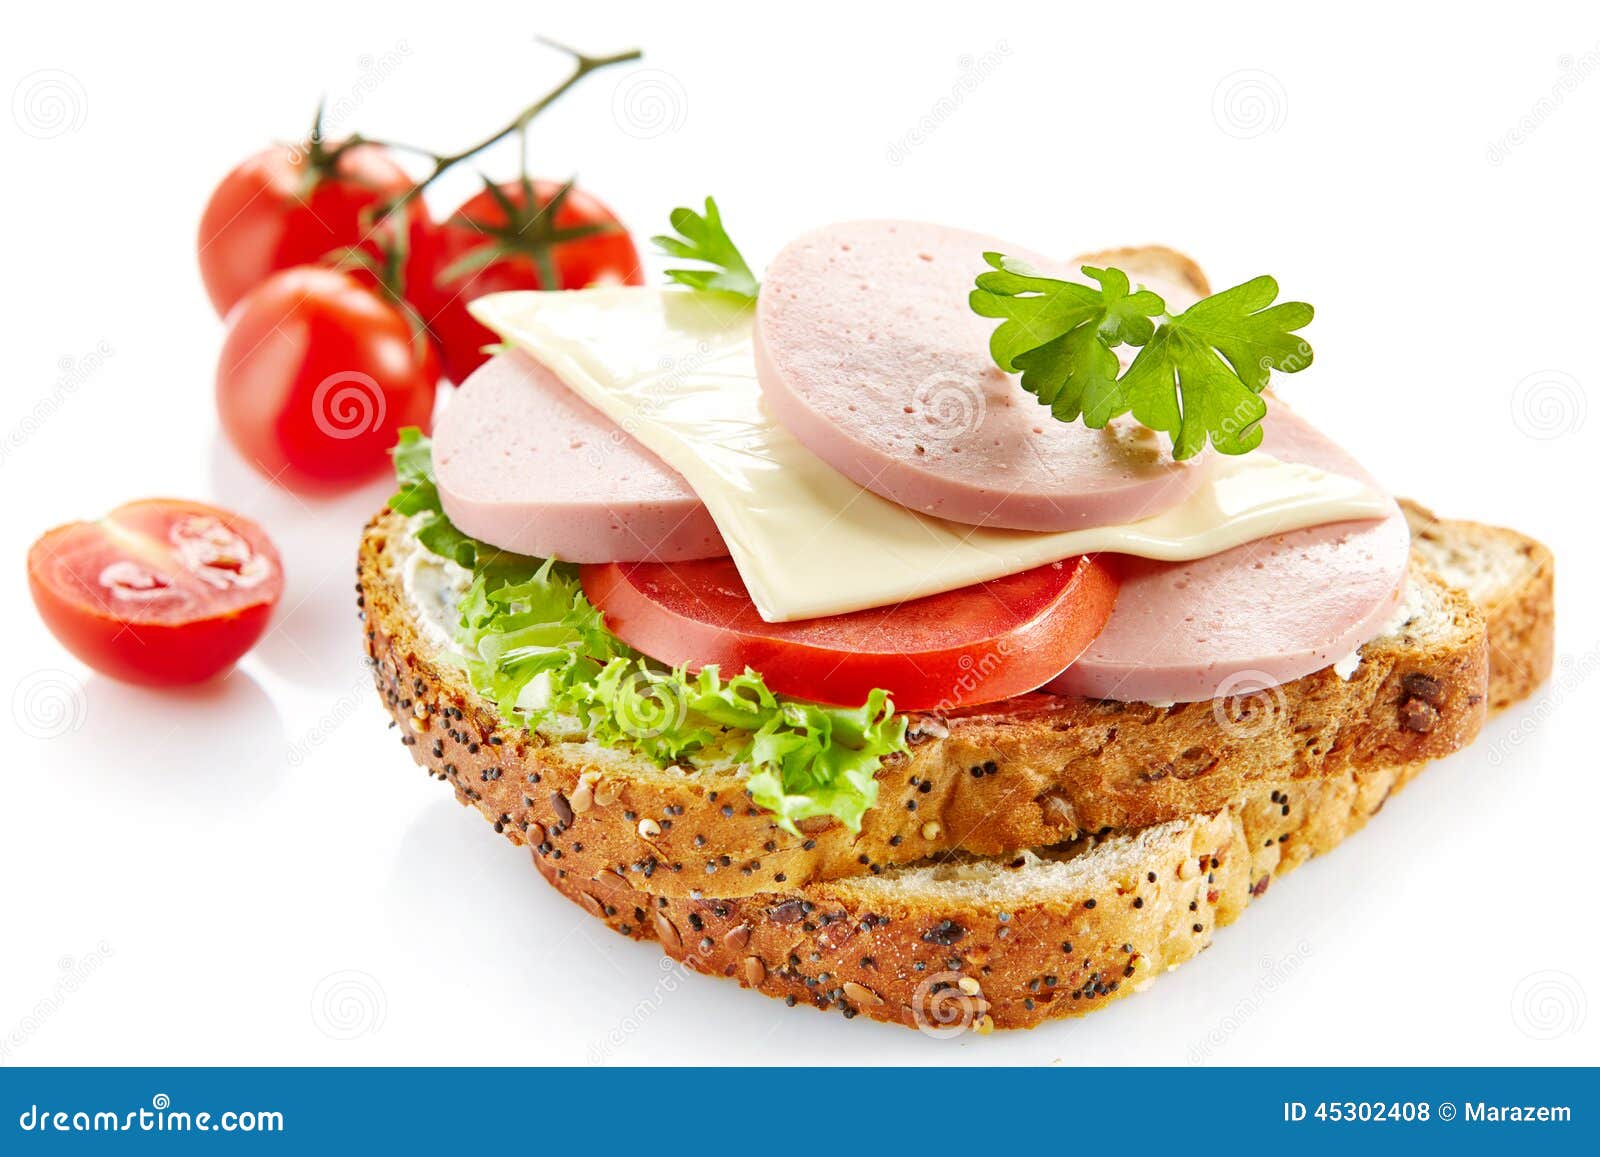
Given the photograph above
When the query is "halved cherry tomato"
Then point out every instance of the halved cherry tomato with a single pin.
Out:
(288, 206)
(974, 645)
(316, 377)
(160, 591)
(532, 234)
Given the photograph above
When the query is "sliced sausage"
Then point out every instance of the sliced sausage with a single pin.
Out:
(868, 352)
(1255, 616)
(526, 465)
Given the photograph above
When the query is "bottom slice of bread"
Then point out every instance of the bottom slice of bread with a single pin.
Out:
(977, 943)
(994, 942)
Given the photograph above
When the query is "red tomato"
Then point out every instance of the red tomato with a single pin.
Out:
(974, 645)
(513, 245)
(159, 592)
(282, 208)
(317, 375)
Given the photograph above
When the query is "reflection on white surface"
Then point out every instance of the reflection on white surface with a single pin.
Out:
(314, 635)
(209, 751)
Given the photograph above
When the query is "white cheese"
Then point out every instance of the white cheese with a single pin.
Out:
(1346, 667)
(675, 370)
(433, 587)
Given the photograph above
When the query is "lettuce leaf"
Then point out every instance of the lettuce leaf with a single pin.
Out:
(538, 649)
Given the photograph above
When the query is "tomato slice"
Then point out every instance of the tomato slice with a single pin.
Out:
(160, 591)
(974, 645)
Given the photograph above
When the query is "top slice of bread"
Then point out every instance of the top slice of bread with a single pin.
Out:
(1033, 771)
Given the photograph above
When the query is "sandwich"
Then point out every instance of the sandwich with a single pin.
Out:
(886, 660)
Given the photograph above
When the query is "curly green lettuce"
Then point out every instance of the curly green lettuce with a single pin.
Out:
(534, 645)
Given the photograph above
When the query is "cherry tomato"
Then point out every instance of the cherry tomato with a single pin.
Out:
(317, 375)
(160, 591)
(288, 206)
(521, 231)
(974, 645)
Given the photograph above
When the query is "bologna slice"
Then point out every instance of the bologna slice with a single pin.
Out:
(526, 465)
(869, 354)
(1236, 623)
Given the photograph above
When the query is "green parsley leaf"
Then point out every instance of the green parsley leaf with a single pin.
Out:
(1061, 334)
(1197, 377)
(1038, 309)
(534, 645)
(702, 238)
(1202, 373)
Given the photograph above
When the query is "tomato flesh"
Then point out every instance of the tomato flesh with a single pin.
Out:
(159, 592)
(316, 377)
(607, 258)
(978, 644)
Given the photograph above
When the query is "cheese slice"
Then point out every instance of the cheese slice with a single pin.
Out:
(675, 370)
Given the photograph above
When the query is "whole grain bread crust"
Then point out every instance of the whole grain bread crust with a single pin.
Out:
(1520, 611)
(919, 948)
(932, 958)
(1160, 262)
(1035, 771)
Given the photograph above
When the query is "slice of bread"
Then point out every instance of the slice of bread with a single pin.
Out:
(984, 942)
(1511, 577)
(1001, 942)
(1006, 941)
(1158, 265)
(1034, 771)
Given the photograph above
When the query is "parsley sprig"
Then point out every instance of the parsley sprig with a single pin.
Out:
(1198, 374)
(702, 238)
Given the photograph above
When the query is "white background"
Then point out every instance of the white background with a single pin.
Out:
(255, 872)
